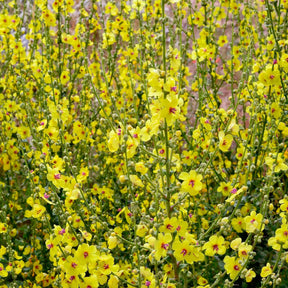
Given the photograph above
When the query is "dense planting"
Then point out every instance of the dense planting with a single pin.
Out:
(143, 143)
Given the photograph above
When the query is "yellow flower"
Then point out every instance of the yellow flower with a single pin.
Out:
(279, 163)
(112, 242)
(192, 182)
(275, 110)
(42, 125)
(169, 225)
(170, 110)
(113, 141)
(162, 245)
(90, 281)
(202, 281)
(274, 243)
(48, 17)
(136, 181)
(284, 61)
(37, 210)
(18, 266)
(253, 222)
(138, 4)
(24, 132)
(266, 270)
(140, 167)
(225, 141)
(250, 274)
(64, 78)
(235, 243)
(2, 248)
(151, 128)
(270, 76)
(232, 266)
(222, 40)
(216, 245)
(131, 146)
(284, 205)
(106, 264)
(181, 227)
(52, 132)
(3, 272)
(170, 86)
(186, 251)
(243, 250)
(141, 230)
(86, 254)
(113, 282)
(55, 177)
(3, 228)
(73, 267)
(108, 39)
(83, 175)
(225, 188)
(235, 192)
(281, 235)
(111, 9)
(240, 152)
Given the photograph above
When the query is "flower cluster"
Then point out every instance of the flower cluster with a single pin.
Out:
(144, 143)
